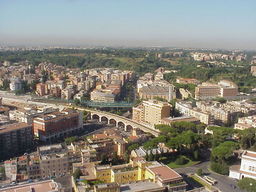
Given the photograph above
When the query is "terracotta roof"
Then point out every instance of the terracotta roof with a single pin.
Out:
(133, 138)
(165, 173)
(100, 136)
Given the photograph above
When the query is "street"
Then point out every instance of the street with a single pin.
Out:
(225, 184)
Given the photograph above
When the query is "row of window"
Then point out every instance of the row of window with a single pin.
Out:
(252, 168)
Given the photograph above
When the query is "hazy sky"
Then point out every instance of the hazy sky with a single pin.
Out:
(175, 23)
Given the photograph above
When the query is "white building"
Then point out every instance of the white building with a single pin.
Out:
(247, 167)
(15, 84)
(246, 122)
(185, 108)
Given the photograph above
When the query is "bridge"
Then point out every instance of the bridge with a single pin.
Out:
(107, 104)
(93, 104)
(119, 121)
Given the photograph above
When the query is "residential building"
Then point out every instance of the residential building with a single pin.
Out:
(11, 168)
(68, 92)
(40, 186)
(54, 160)
(15, 138)
(186, 109)
(226, 113)
(57, 124)
(27, 114)
(102, 96)
(170, 120)
(187, 81)
(151, 112)
(15, 84)
(247, 167)
(246, 122)
(41, 89)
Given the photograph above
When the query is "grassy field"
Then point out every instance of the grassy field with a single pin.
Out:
(173, 165)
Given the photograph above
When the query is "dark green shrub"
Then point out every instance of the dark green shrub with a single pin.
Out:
(181, 160)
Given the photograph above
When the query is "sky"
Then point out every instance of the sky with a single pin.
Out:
(134, 23)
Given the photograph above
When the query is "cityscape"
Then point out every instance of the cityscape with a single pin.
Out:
(94, 102)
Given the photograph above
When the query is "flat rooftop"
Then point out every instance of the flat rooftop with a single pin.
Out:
(43, 186)
(13, 127)
(165, 173)
(250, 154)
(140, 186)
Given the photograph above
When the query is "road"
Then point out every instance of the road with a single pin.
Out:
(225, 184)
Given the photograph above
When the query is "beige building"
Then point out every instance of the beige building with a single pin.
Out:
(186, 109)
(224, 88)
(40, 186)
(207, 90)
(253, 69)
(246, 122)
(151, 112)
(102, 96)
(54, 160)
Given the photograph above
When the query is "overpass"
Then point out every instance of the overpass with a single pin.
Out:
(119, 121)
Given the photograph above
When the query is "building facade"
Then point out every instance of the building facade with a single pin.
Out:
(57, 124)
(247, 167)
(15, 138)
(151, 112)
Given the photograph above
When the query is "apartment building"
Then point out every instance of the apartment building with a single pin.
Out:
(15, 84)
(151, 112)
(27, 114)
(103, 96)
(48, 161)
(57, 124)
(15, 138)
(247, 168)
(186, 109)
(41, 89)
(54, 160)
(107, 143)
(226, 113)
(246, 122)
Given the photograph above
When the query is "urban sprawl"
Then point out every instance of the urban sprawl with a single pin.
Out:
(127, 129)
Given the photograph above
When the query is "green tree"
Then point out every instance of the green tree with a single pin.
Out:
(133, 146)
(70, 140)
(77, 173)
(199, 172)
(224, 152)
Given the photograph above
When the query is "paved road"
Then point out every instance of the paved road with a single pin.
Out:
(225, 184)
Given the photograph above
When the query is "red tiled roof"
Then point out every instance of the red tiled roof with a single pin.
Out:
(165, 173)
